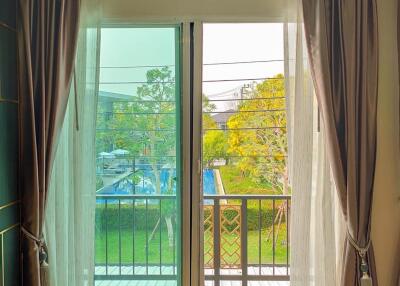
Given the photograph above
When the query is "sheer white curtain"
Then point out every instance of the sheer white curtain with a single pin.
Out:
(316, 228)
(70, 213)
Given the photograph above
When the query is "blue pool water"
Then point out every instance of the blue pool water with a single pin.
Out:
(209, 187)
(145, 184)
(208, 182)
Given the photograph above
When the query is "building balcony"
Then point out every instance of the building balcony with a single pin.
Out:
(246, 240)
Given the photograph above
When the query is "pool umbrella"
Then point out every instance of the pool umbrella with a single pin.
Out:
(120, 152)
(106, 155)
(168, 166)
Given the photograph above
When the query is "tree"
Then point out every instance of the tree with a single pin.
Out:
(146, 127)
(214, 140)
(214, 146)
(262, 151)
(208, 121)
(258, 134)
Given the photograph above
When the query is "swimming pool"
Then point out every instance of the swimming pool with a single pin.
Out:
(145, 184)
(209, 187)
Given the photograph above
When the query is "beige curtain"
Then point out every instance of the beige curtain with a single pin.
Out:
(47, 33)
(398, 58)
(70, 213)
(316, 229)
(343, 50)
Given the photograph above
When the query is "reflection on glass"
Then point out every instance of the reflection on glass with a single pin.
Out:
(138, 165)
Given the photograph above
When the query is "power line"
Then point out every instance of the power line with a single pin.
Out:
(133, 67)
(236, 89)
(244, 79)
(245, 128)
(204, 81)
(242, 62)
(205, 64)
(247, 99)
(244, 111)
(136, 101)
(136, 82)
(133, 113)
(133, 130)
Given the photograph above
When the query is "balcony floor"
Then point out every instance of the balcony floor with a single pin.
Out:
(114, 270)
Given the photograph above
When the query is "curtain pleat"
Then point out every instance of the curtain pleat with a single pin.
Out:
(70, 214)
(342, 42)
(316, 222)
(47, 33)
(398, 58)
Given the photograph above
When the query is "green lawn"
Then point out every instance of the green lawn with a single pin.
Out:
(266, 247)
(235, 183)
(167, 251)
(127, 244)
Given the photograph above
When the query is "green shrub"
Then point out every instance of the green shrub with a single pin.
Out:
(127, 216)
(99, 182)
(113, 218)
(253, 214)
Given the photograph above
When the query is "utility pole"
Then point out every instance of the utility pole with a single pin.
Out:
(243, 90)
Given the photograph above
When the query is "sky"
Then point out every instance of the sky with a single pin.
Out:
(125, 52)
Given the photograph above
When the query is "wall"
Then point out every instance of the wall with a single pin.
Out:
(386, 205)
(9, 203)
(211, 10)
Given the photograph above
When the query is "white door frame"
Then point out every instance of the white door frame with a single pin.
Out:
(192, 228)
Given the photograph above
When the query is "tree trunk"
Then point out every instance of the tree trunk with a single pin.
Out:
(170, 228)
(157, 176)
(153, 163)
(285, 181)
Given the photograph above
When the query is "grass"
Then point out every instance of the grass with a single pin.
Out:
(253, 249)
(235, 183)
(130, 248)
(167, 251)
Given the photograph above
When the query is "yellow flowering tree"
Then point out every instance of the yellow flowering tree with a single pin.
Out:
(257, 136)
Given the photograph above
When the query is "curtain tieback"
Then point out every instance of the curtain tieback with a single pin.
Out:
(365, 280)
(41, 244)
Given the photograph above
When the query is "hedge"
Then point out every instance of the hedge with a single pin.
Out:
(252, 218)
(113, 218)
(109, 218)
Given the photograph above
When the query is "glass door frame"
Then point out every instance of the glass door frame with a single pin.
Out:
(197, 225)
(197, 257)
(190, 81)
(183, 68)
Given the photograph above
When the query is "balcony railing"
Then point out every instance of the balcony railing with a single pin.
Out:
(246, 237)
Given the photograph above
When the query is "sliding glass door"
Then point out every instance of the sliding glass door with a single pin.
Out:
(138, 146)
(192, 175)
(246, 188)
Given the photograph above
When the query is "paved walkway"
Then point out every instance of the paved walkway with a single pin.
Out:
(166, 270)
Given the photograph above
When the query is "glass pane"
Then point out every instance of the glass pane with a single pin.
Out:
(138, 156)
(244, 150)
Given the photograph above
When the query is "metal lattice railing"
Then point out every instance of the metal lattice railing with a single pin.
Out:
(230, 222)
(246, 237)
